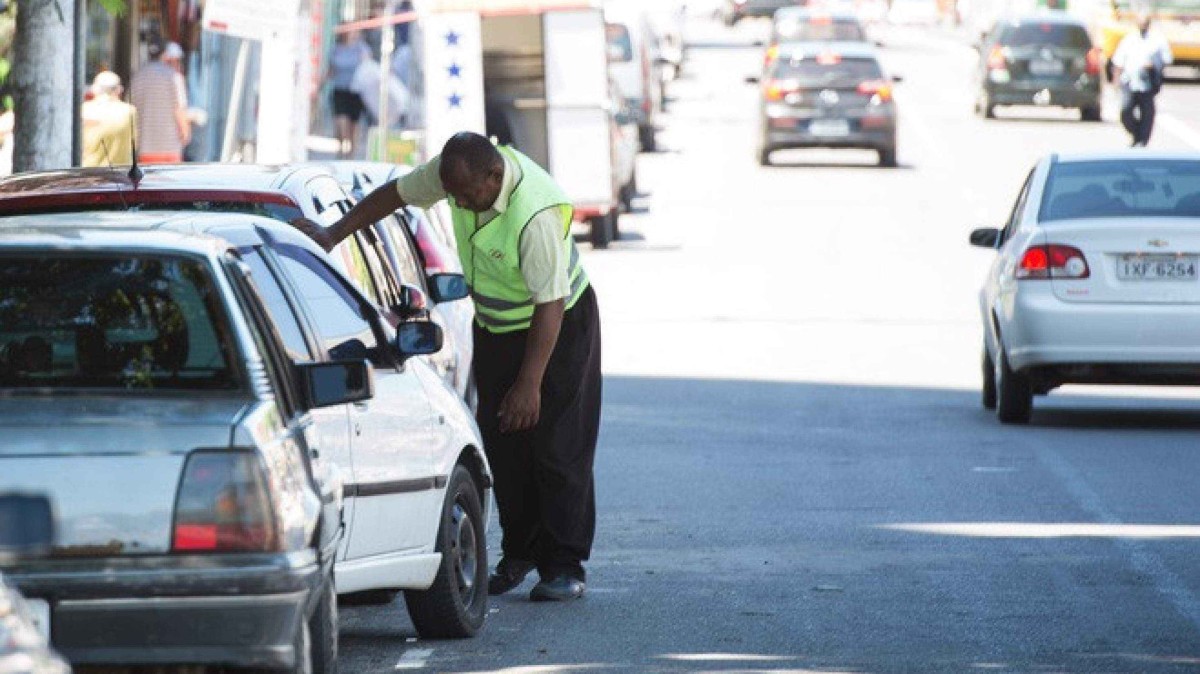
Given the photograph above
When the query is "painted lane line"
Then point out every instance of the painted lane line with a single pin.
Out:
(1178, 128)
(414, 658)
(1145, 562)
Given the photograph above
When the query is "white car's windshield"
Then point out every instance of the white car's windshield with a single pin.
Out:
(1109, 189)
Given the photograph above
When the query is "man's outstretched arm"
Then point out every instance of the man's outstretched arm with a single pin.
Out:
(377, 205)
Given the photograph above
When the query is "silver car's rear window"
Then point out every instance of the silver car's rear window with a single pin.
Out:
(1122, 188)
(142, 323)
(827, 70)
(1045, 33)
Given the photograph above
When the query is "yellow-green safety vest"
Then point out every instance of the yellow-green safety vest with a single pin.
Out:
(491, 254)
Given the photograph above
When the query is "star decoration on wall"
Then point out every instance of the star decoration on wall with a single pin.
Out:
(452, 39)
(455, 100)
(455, 70)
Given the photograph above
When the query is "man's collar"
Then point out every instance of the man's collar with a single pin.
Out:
(512, 175)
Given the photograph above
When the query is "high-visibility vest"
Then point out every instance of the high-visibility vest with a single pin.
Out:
(491, 254)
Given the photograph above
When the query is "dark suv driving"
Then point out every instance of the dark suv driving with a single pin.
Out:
(1044, 60)
(828, 95)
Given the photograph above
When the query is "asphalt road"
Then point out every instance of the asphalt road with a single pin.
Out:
(794, 471)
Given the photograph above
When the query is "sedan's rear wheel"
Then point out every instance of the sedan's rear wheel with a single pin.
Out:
(887, 157)
(1014, 399)
(764, 157)
(456, 604)
(989, 381)
(1090, 113)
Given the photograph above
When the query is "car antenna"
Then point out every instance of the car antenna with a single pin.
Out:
(108, 158)
(135, 172)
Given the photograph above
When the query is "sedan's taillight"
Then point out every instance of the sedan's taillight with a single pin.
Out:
(777, 90)
(876, 89)
(1053, 261)
(1095, 59)
(998, 59)
(770, 55)
(223, 505)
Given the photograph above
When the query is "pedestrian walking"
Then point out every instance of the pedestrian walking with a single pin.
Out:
(1138, 65)
(537, 349)
(348, 54)
(108, 123)
(163, 128)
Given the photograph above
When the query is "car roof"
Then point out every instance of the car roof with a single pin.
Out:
(1127, 154)
(169, 231)
(158, 176)
(847, 49)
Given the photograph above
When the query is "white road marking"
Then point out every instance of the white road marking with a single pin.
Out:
(993, 469)
(1145, 562)
(414, 658)
(1178, 128)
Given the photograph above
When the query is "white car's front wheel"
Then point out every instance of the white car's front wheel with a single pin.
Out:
(1014, 393)
(989, 381)
(456, 604)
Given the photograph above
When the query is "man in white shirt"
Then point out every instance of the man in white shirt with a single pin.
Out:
(1138, 66)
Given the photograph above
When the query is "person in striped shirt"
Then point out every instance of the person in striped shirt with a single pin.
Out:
(163, 127)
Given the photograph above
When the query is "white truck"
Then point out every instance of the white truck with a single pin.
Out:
(535, 75)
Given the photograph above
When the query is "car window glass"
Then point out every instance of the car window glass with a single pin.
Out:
(381, 271)
(1045, 34)
(1014, 218)
(351, 254)
(405, 251)
(826, 70)
(281, 312)
(265, 337)
(819, 30)
(1122, 188)
(117, 322)
(344, 328)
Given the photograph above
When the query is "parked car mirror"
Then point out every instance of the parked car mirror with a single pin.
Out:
(418, 338)
(413, 302)
(336, 382)
(448, 287)
(985, 237)
(751, 79)
(897, 79)
(26, 525)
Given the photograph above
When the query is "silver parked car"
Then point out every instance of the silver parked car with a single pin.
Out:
(145, 388)
(1096, 279)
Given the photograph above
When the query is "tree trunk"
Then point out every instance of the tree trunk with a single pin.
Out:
(42, 82)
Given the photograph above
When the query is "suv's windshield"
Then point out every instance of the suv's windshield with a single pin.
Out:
(1105, 189)
(827, 71)
(1034, 34)
(111, 322)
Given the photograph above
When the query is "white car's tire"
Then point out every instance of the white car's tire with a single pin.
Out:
(988, 397)
(455, 606)
(1014, 393)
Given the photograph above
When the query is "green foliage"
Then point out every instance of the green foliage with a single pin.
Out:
(115, 7)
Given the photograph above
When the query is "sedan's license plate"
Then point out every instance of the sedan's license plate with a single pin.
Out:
(829, 127)
(1046, 68)
(39, 610)
(1157, 267)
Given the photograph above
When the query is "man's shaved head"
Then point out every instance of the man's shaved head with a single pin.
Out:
(472, 171)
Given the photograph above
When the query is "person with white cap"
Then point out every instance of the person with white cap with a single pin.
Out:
(108, 123)
(163, 126)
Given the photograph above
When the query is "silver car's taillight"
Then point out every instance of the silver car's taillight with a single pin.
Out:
(224, 505)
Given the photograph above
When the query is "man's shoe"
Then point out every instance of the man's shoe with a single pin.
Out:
(559, 588)
(509, 573)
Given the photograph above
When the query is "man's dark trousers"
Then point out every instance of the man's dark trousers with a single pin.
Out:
(543, 477)
(1139, 125)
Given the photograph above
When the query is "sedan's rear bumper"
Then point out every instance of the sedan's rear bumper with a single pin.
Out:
(235, 610)
(871, 140)
(1046, 332)
(1066, 94)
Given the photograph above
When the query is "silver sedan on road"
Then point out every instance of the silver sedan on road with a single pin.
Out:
(1096, 279)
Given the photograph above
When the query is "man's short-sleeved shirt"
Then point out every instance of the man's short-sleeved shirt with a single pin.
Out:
(1137, 54)
(544, 264)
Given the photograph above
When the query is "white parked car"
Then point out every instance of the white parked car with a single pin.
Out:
(634, 63)
(1096, 280)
